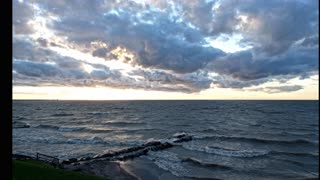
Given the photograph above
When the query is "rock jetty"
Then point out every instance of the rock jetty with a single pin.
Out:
(133, 152)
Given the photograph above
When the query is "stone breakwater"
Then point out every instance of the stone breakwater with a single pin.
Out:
(133, 152)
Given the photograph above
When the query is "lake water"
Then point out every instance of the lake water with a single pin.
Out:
(231, 139)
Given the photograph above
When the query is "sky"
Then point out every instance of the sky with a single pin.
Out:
(165, 49)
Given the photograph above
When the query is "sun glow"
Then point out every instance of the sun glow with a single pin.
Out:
(87, 68)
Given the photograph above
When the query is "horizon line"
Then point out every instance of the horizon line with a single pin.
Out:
(165, 99)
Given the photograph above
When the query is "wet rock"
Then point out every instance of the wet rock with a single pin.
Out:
(130, 156)
(153, 143)
(136, 151)
(183, 139)
(66, 162)
(107, 155)
(96, 156)
(180, 135)
(76, 163)
(116, 153)
(81, 159)
(165, 145)
(144, 152)
(129, 150)
(72, 160)
(121, 158)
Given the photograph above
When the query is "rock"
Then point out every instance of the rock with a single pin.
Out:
(76, 163)
(161, 146)
(72, 160)
(134, 149)
(120, 158)
(96, 156)
(129, 156)
(81, 159)
(165, 145)
(133, 152)
(180, 135)
(183, 139)
(107, 155)
(144, 152)
(116, 153)
(66, 162)
(153, 143)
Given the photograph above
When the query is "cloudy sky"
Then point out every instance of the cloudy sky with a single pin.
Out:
(165, 49)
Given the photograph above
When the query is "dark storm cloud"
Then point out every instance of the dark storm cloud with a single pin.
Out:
(272, 26)
(160, 43)
(167, 40)
(243, 66)
(31, 69)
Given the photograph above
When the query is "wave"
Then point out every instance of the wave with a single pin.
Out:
(69, 129)
(168, 161)
(97, 113)
(95, 130)
(257, 140)
(93, 140)
(226, 152)
(313, 155)
(123, 123)
(139, 129)
(62, 114)
(299, 163)
(243, 153)
(47, 126)
(20, 118)
(74, 128)
(269, 112)
(207, 164)
(297, 134)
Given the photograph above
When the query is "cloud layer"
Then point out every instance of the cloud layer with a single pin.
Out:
(164, 43)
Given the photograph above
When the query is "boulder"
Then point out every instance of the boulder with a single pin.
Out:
(66, 162)
(72, 160)
(180, 135)
(109, 154)
(183, 139)
(153, 143)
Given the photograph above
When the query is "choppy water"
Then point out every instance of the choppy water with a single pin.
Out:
(232, 139)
